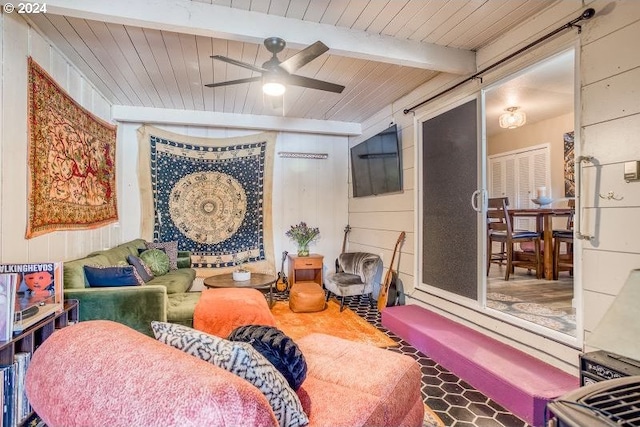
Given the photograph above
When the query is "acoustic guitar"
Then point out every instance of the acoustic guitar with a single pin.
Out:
(282, 284)
(389, 279)
(347, 229)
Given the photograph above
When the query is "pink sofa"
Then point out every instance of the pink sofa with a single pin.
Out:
(104, 373)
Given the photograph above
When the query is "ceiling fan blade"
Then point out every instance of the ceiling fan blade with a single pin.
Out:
(235, 82)
(314, 84)
(238, 63)
(303, 57)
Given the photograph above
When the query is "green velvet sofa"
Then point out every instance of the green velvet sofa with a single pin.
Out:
(165, 298)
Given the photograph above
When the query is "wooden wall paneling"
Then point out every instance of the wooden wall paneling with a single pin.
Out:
(612, 141)
(246, 93)
(597, 304)
(611, 98)
(84, 60)
(599, 181)
(3, 156)
(368, 15)
(189, 46)
(220, 47)
(232, 72)
(152, 69)
(391, 10)
(606, 272)
(14, 139)
(614, 229)
(103, 35)
(129, 197)
(467, 30)
(333, 13)
(351, 13)
(132, 64)
(612, 17)
(155, 40)
(39, 49)
(316, 10)
(509, 40)
(447, 15)
(390, 88)
(297, 9)
(174, 44)
(369, 72)
(204, 50)
(111, 67)
(325, 70)
(610, 55)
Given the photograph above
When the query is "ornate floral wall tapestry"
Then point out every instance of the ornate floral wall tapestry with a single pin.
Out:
(212, 195)
(72, 179)
(569, 165)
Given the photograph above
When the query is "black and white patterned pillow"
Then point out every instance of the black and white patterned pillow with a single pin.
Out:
(170, 248)
(241, 359)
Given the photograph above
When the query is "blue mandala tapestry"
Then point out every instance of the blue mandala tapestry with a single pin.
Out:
(212, 196)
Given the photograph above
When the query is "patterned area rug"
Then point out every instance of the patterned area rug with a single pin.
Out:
(211, 195)
(72, 178)
(330, 321)
(536, 313)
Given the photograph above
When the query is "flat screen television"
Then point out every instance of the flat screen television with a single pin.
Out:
(376, 166)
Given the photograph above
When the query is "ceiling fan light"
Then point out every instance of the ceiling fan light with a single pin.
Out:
(273, 88)
(513, 118)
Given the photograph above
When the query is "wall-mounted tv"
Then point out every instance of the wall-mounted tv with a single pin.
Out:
(376, 166)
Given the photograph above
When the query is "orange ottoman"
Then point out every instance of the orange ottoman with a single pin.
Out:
(306, 297)
(220, 311)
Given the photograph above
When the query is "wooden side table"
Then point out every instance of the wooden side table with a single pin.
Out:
(305, 269)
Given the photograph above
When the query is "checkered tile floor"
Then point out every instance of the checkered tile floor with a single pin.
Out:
(457, 403)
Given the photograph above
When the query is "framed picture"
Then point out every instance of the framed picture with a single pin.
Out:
(569, 165)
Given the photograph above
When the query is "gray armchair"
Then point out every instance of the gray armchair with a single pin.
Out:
(359, 270)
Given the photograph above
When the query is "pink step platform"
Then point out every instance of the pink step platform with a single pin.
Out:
(515, 380)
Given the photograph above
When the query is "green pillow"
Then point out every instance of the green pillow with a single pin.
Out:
(156, 260)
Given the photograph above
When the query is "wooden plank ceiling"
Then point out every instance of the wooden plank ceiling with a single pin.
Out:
(161, 58)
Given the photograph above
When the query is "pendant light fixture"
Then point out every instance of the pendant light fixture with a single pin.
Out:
(513, 118)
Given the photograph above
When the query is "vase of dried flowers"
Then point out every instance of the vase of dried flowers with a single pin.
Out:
(302, 234)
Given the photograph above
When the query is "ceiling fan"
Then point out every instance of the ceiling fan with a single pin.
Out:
(275, 75)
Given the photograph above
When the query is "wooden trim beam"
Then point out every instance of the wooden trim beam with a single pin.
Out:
(192, 17)
(123, 113)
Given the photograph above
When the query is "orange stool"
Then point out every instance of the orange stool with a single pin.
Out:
(306, 297)
(220, 311)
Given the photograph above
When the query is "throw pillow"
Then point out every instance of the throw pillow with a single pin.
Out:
(143, 270)
(111, 276)
(156, 260)
(242, 360)
(170, 248)
(278, 348)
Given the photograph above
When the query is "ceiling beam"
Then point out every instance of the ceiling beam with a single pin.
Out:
(193, 17)
(124, 113)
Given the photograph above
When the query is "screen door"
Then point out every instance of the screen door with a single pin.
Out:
(449, 180)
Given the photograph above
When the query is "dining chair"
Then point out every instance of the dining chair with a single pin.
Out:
(500, 230)
(564, 262)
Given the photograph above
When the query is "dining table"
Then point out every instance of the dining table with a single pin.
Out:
(544, 225)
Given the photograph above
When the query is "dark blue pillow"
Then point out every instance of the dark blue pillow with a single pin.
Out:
(140, 267)
(278, 348)
(103, 277)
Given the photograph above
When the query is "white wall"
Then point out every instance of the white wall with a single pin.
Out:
(609, 114)
(18, 41)
(310, 190)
